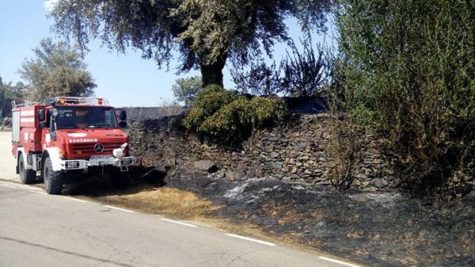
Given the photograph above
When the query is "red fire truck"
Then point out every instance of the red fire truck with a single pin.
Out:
(67, 136)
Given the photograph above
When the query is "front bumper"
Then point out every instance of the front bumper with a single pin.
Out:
(123, 163)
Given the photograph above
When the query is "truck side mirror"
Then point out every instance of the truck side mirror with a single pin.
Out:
(123, 115)
(123, 119)
(43, 123)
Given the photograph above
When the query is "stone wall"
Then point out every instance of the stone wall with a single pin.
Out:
(301, 153)
(297, 152)
(142, 113)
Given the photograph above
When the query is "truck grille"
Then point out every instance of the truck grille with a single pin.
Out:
(88, 148)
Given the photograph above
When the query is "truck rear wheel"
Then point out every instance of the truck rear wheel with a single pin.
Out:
(27, 176)
(53, 179)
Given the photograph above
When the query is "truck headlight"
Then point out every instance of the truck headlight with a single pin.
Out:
(118, 153)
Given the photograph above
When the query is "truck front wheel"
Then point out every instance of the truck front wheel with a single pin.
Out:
(53, 179)
(27, 176)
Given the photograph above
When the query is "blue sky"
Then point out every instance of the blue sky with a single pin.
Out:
(124, 79)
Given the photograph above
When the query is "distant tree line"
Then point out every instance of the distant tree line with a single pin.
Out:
(9, 93)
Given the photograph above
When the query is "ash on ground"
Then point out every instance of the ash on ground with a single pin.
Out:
(379, 229)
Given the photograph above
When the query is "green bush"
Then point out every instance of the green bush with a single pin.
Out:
(226, 117)
(229, 121)
(208, 101)
(236, 121)
(267, 110)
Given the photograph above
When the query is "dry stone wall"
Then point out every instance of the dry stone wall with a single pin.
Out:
(301, 153)
(147, 113)
(297, 152)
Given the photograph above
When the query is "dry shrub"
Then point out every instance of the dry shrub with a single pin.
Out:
(343, 147)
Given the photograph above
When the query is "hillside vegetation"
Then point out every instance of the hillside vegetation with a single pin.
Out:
(407, 73)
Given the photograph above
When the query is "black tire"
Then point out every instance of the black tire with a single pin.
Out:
(53, 179)
(26, 176)
(119, 179)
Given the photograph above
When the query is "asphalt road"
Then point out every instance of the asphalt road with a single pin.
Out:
(37, 229)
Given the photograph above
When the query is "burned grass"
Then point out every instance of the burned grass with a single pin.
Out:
(379, 229)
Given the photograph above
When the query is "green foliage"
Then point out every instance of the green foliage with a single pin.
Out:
(232, 120)
(206, 33)
(229, 118)
(408, 72)
(186, 89)
(9, 93)
(267, 111)
(175, 124)
(56, 70)
(208, 101)
(236, 121)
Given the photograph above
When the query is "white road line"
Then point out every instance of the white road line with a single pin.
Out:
(10, 186)
(75, 199)
(121, 209)
(177, 222)
(337, 261)
(252, 240)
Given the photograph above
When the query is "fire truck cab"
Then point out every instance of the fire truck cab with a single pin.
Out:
(69, 135)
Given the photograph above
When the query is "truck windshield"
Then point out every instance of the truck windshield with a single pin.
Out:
(85, 117)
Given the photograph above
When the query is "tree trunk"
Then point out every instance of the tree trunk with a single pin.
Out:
(213, 73)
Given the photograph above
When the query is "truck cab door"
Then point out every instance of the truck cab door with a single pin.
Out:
(46, 124)
(43, 121)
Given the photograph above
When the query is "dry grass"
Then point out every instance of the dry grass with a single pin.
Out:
(167, 201)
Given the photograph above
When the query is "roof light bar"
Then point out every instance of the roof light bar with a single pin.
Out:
(64, 100)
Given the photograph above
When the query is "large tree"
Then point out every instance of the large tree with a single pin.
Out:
(205, 32)
(56, 69)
